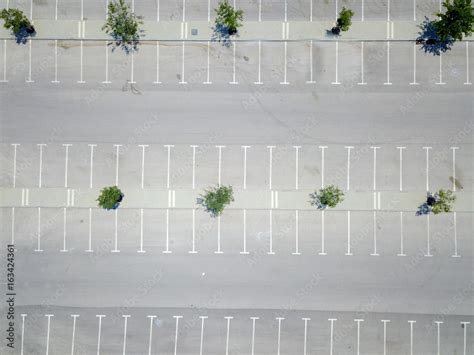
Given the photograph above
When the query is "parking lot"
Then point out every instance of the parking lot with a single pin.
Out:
(254, 10)
(258, 232)
(304, 64)
(208, 331)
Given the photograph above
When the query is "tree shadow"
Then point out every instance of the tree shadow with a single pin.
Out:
(429, 39)
(223, 34)
(21, 37)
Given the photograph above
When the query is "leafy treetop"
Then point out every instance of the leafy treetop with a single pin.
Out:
(458, 20)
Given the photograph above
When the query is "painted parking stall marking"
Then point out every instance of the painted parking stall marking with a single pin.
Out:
(74, 318)
(100, 316)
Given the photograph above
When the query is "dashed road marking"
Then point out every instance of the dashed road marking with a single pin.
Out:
(13, 226)
(167, 251)
(454, 167)
(388, 62)
(193, 251)
(455, 255)
(467, 64)
(440, 70)
(438, 324)
(374, 252)
(64, 249)
(285, 81)
(55, 81)
(89, 249)
(311, 81)
(375, 167)
(414, 63)
(157, 81)
(427, 173)
(208, 63)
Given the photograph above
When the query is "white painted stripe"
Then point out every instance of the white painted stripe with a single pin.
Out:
(322, 252)
(348, 233)
(116, 234)
(228, 335)
(401, 166)
(297, 148)
(402, 253)
(464, 325)
(143, 146)
(208, 61)
(13, 226)
(64, 249)
(322, 165)
(151, 334)
(332, 320)
(271, 252)
(29, 59)
(100, 316)
(385, 321)
(203, 318)
(125, 319)
(168, 165)
(305, 325)
(91, 163)
(438, 323)
(270, 147)
(40, 163)
(411, 335)
(467, 64)
(348, 165)
(454, 167)
(176, 333)
(157, 63)
(219, 147)
(311, 81)
(427, 173)
(297, 252)
(455, 255)
(374, 252)
(194, 165)
(66, 163)
(375, 166)
(117, 154)
(245, 233)
(259, 82)
(358, 334)
(22, 333)
(428, 249)
(234, 45)
(15, 145)
(414, 63)
(362, 82)
(285, 82)
(279, 319)
(74, 316)
(254, 319)
(182, 65)
(48, 331)
(336, 82)
(39, 231)
(141, 232)
(90, 231)
(219, 251)
(55, 81)
(245, 147)
(167, 251)
(193, 251)
(388, 63)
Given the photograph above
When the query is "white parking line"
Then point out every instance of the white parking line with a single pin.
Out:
(91, 162)
(193, 251)
(167, 251)
(48, 331)
(401, 166)
(29, 61)
(176, 334)
(168, 146)
(362, 82)
(440, 70)
(427, 168)
(219, 251)
(454, 167)
(414, 63)
(81, 61)
(66, 163)
(194, 165)
(4, 80)
(348, 165)
(358, 334)
(125, 319)
(228, 334)
(467, 64)
(203, 318)
(106, 81)
(374, 252)
(402, 253)
(253, 333)
(132, 81)
(305, 331)
(332, 335)
(56, 11)
(117, 155)
(279, 319)
(15, 145)
(259, 82)
(157, 81)
(64, 249)
(234, 45)
(311, 81)
(100, 316)
(455, 255)
(438, 323)
(271, 252)
(38, 249)
(116, 234)
(55, 81)
(375, 166)
(184, 10)
(89, 250)
(151, 334)
(285, 82)
(322, 252)
(336, 82)
(182, 66)
(388, 62)
(208, 62)
(296, 252)
(411, 335)
(245, 233)
(464, 326)
(41, 145)
(74, 316)
(13, 226)
(219, 147)
(141, 232)
(143, 146)
(23, 333)
(322, 164)
(270, 166)
(245, 147)
(296, 165)
(348, 233)
(414, 10)
(385, 321)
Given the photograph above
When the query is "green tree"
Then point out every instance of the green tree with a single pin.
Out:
(344, 21)
(17, 22)
(215, 199)
(329, 196)
(457, 21)
(110, 198)
(444, 200)
(123, 26)
(227, 18)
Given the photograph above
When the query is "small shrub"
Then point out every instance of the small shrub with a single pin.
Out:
(110, 198)
(329, 196)
(123, 26)
(344, 21)
(215, 199)
(18, 23)
(439, 202)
